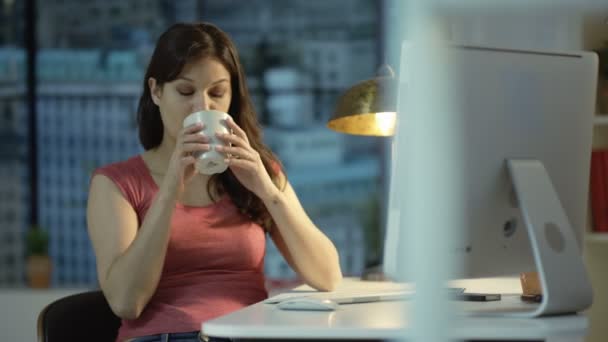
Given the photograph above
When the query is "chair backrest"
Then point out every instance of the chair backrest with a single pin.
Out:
(81, 317)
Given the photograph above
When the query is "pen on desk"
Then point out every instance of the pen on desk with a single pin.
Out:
(479, 297)
(532, 298)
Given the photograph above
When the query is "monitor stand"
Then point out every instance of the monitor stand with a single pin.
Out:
(563, 278)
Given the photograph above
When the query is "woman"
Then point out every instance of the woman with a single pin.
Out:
(174, 247)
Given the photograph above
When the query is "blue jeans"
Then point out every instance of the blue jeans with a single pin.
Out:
(179, 337)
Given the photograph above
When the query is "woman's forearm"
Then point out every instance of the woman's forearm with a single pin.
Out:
(314, 255)
(133, 277)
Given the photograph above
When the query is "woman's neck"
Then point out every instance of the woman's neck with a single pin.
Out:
(161, 155)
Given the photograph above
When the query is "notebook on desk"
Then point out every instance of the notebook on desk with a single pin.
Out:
(352, 297)
(344, 298)
(351, 290)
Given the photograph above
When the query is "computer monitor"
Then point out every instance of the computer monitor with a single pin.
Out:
(525, 112)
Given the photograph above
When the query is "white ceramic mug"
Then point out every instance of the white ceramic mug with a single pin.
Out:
(212, 161)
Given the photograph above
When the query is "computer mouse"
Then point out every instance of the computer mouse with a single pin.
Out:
(308, 304)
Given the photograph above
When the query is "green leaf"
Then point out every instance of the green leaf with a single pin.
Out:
(37, 241)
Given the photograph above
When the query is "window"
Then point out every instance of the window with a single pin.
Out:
(83, 130)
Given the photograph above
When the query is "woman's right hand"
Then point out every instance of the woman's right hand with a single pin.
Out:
(181, 165)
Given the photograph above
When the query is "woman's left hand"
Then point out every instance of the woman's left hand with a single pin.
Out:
(245, 162)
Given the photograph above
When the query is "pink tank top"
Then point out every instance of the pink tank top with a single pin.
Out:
(214, 263)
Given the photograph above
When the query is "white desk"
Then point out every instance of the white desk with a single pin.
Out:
(387, 320)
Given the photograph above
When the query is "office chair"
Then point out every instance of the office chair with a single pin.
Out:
(81, 317)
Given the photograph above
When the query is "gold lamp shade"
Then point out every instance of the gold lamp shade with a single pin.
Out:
(369, 107)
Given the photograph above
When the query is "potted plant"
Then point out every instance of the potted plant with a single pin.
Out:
(39, 265)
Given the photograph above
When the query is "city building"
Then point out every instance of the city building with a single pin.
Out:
(306, 146)
(289, 97)
(182, 10)
(294, 20)
(104, 24)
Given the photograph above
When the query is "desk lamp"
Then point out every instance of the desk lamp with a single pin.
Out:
(368, 108)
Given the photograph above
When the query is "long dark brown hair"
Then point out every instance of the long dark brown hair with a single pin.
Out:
(184, 43)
